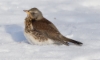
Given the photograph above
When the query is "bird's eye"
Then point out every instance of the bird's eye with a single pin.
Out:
(32, 13)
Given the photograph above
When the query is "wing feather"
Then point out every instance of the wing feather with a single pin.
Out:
(47, 29)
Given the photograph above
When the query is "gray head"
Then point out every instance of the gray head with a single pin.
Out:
(34, 13)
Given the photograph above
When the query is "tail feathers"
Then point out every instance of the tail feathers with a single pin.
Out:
(72, 41)
(75, 42)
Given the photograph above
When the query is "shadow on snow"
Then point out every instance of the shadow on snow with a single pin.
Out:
(17, 32)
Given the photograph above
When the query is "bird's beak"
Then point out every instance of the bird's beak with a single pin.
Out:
(25, 10)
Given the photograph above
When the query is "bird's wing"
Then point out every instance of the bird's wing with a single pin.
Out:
(47, 29)
(53, 26)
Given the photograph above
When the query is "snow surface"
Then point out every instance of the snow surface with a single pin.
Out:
(76, 19)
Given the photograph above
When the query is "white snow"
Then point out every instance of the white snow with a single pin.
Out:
(76, 19)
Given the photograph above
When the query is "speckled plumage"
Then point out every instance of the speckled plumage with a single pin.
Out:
(39, 30)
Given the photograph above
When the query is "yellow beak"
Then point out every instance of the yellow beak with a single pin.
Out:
(27, 11)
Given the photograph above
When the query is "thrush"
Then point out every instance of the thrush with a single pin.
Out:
(39, 30)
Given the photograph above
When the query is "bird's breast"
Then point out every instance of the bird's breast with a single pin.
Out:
(33, 39)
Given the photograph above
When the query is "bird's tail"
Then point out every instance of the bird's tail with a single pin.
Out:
(72, 41)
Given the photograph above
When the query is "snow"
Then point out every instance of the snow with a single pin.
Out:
(77, 19)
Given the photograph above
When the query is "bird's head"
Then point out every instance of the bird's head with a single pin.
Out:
(34, 13)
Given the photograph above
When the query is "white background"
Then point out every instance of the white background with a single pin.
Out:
(76, 19)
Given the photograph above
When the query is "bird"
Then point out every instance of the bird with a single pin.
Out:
(40, 31)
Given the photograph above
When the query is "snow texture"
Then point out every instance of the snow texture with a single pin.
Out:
(76, 19)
